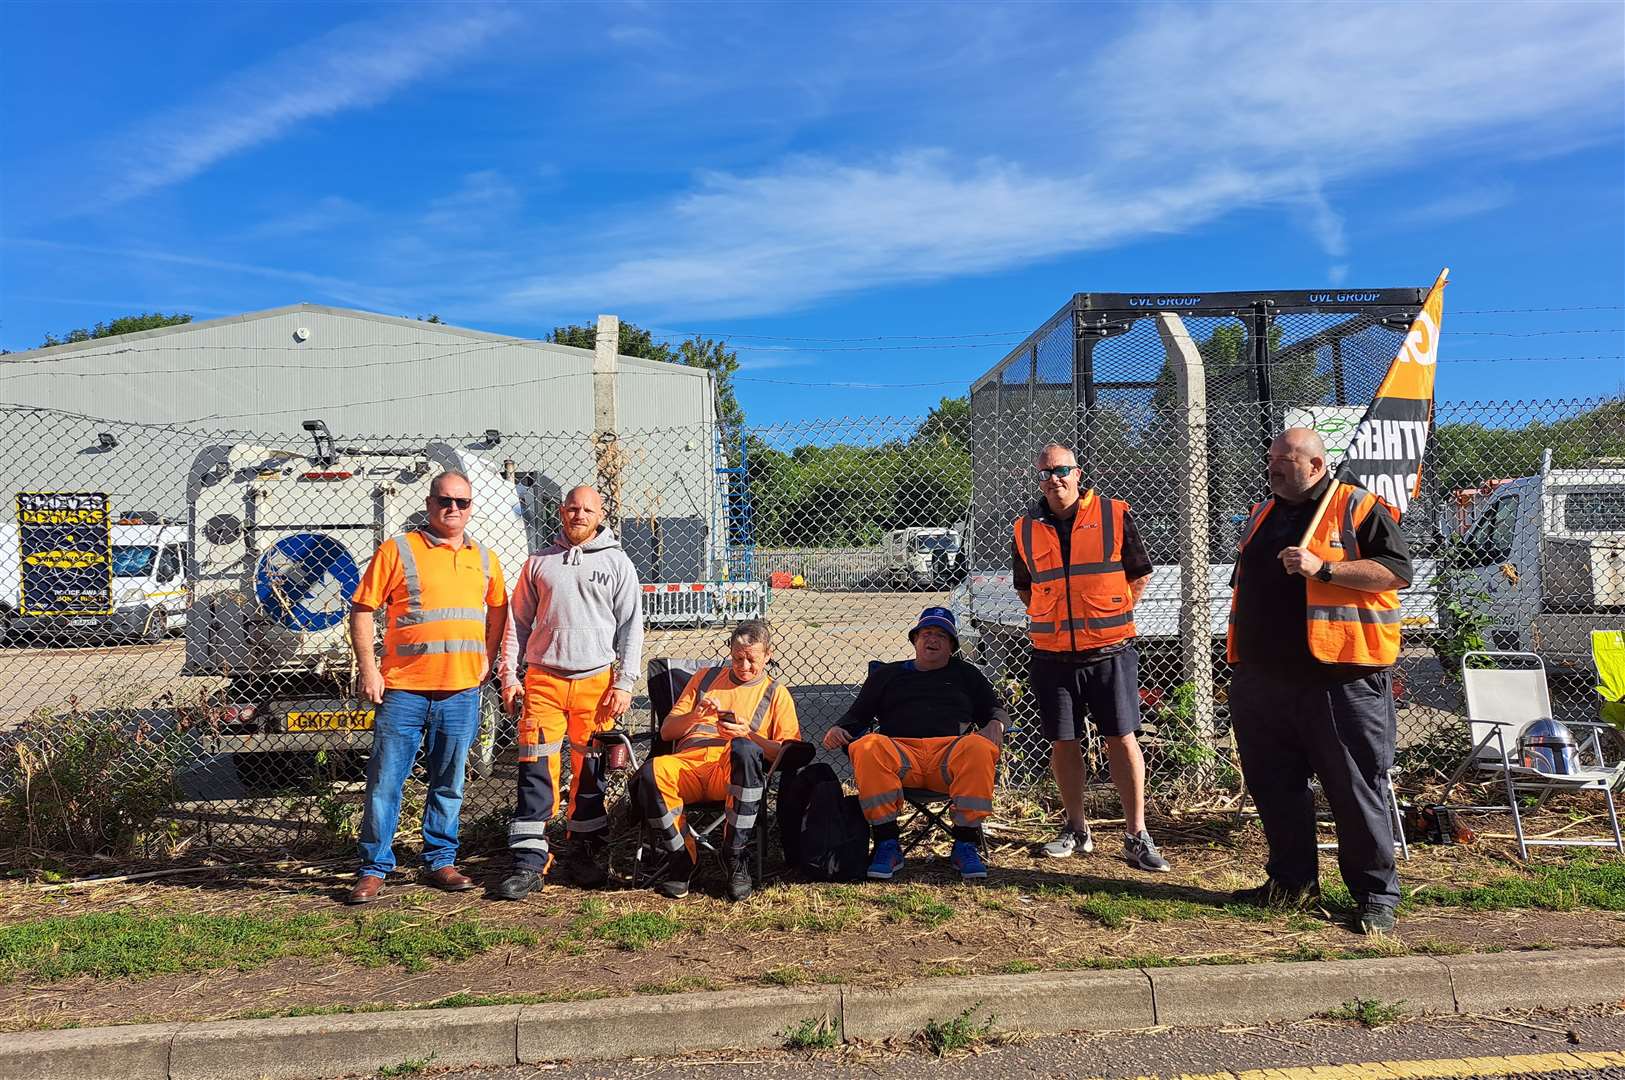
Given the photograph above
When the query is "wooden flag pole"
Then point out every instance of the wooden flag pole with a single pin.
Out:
(1320, 511)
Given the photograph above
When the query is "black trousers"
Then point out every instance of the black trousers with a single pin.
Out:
(1344, 736)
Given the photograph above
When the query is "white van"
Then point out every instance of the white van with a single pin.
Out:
(1545, 559)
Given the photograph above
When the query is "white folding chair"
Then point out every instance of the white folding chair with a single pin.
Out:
(1501, 702)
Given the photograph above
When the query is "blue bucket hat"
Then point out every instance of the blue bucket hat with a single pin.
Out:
(942, 619)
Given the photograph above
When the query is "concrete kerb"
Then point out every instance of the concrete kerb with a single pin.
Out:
(1197, 996)
(297, 1048)
(760, 1018)
(1047, 1001)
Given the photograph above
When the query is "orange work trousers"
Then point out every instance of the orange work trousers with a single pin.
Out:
(961, 767)
(734, 775)
(557, 709)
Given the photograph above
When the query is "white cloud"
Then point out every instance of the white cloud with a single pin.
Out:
(751, 360)
(352, 67)
(327, 213)
(1191, 114)
(484, 198)
(817, 228)
(1466, 203)
(376, 298)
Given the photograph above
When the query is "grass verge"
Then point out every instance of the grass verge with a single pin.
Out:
(109, 945)
(1586, 881)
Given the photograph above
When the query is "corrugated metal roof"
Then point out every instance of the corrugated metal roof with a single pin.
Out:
(361, 372)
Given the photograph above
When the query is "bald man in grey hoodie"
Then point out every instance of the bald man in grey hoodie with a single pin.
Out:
(577, 620)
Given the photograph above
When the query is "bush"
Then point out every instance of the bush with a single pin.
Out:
(88, 783)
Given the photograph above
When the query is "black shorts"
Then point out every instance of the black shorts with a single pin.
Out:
(1108, 688)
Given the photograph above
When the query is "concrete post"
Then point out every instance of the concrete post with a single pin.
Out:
(606, 426)
(1195, 601)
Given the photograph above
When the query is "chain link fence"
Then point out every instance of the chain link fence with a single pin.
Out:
(177, 671)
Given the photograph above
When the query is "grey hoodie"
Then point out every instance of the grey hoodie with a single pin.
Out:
(577, 610)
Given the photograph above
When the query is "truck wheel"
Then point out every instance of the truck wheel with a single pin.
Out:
(482, 755)
(155, 628)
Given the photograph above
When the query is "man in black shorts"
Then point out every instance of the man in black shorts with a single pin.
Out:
(1079, 566)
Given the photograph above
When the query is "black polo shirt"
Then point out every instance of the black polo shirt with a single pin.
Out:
(907, 703)
(1271, 625)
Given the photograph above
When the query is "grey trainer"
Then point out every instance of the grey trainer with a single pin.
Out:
(1068, 842)
(1140, 852)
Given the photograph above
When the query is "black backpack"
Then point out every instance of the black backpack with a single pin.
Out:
(822, 829)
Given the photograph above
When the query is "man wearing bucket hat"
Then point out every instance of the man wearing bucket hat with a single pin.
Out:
(931, 722)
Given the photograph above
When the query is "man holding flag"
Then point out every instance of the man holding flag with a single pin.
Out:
(1314, 629)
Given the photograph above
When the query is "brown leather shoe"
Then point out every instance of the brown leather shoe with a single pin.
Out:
(366, 890)
(447, 879)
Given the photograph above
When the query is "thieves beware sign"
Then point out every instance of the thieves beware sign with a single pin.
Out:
(66, 553)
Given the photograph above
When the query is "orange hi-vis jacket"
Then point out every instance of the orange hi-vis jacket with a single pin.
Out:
(1345, 626)
(770, 715)
(1086, 603)
(435, 600)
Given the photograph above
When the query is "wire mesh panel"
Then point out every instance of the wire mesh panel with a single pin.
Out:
(199, 687)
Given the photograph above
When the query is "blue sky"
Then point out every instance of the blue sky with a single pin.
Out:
(942, 171)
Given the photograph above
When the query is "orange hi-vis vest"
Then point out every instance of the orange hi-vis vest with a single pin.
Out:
(1085, 603)
(706, 733)
(1345, 626)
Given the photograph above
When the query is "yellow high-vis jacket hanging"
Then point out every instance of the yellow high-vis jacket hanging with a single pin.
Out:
(1345, 626)
(1085, 603)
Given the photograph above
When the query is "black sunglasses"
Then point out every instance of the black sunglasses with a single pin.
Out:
(446, 502)
(1059, 472)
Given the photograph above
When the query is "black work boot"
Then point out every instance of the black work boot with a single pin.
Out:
(589, 861)
(673, 883)
(740, 882)
(518, 885)
(1273, 894)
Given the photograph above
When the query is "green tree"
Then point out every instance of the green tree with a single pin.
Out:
(947, 424)
(1467, 454)
(124, 324)
(633, 341)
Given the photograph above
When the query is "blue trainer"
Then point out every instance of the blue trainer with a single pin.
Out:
(888, 859)
(968, 861)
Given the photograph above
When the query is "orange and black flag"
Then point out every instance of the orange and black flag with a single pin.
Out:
(1385, 456)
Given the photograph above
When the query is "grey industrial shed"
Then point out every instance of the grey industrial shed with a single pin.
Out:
(160, 395)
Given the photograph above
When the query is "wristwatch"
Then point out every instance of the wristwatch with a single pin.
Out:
(1324, 573)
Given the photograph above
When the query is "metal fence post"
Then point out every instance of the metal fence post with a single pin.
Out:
(1195, 599)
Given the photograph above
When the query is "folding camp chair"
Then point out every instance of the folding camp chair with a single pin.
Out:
(1502, 702)
(924, 818)
(667, 678)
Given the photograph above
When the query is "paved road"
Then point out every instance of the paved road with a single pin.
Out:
(1521, 1043)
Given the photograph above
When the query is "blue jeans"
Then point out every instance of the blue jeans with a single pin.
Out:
(445, 728)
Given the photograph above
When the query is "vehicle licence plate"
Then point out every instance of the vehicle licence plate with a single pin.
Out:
(331, 720)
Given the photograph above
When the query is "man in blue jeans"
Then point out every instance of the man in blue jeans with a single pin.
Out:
(446, 608)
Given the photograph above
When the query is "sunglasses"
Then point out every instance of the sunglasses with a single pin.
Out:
(446, 502)
(1057, 472)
